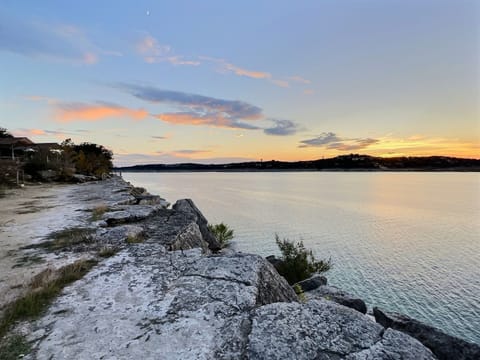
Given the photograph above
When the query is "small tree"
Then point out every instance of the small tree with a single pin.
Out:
(4, 133)
(222, 233)
(297, 262)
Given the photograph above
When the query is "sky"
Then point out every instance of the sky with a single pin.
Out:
(225, 81)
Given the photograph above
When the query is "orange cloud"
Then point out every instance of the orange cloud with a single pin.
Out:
(213, 119)
(86, 112)
(192, 119)
(153, 52)
(244, 72)
(225, 66)
(281, 83)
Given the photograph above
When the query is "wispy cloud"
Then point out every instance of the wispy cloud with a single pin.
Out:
(282, 128)
(201, 110)
(58, 42)
(59, 134)
(232, 108)
(209, 119)
(198, 109)
(321, 140)
(330, 140)
(224, 66)
(298, 79)
(281, 83)
(187, 153)
(75, 111)
(352, 144)
(154, 52)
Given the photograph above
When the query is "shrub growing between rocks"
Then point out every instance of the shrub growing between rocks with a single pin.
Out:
(222, 233)
(298, 263)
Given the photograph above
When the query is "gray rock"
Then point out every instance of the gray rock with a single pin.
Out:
(276, 262)
(118, 235)
(394, 345)
(312, 282)
(321, 329)
(188, 238)
(444, 346)
(146, 302)
(133, 213)
(187, 206)
(339, 296)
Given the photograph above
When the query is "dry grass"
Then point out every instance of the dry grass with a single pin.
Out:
(98, 212)
(106, 252)
(43, 288)
(65, 239)
(134, 239)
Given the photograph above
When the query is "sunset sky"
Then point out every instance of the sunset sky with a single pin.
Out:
(220, 81)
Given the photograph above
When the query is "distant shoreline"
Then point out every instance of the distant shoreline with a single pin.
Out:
(343, 163)
(128, 170)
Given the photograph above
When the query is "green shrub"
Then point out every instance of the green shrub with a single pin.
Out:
(298, 263)
(222, 233)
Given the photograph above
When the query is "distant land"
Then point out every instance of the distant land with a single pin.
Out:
(352, 162)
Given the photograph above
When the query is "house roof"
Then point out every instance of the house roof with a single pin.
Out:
(16, 141)
(48, 146)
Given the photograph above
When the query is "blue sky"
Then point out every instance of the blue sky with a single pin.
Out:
(212, 81)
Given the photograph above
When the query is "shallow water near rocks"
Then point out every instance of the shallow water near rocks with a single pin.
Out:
(407, 242)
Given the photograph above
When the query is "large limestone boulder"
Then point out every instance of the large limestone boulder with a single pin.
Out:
(444, 346)
(150, 303)
(187, 206)
(339, 296)
(129, 214)
(322, 329)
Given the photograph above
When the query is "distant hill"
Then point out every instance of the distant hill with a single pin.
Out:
(352, 162)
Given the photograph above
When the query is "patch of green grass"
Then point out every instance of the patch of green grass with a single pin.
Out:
(41, 292)
(12, 347)
(134, 239)
(66, 238)
(222, 233)
(106, 252)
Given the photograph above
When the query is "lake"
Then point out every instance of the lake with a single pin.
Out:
(402, 241)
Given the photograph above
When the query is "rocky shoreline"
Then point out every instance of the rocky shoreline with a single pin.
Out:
(169, 292)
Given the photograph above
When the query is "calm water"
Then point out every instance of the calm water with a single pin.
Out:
(408, 242)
